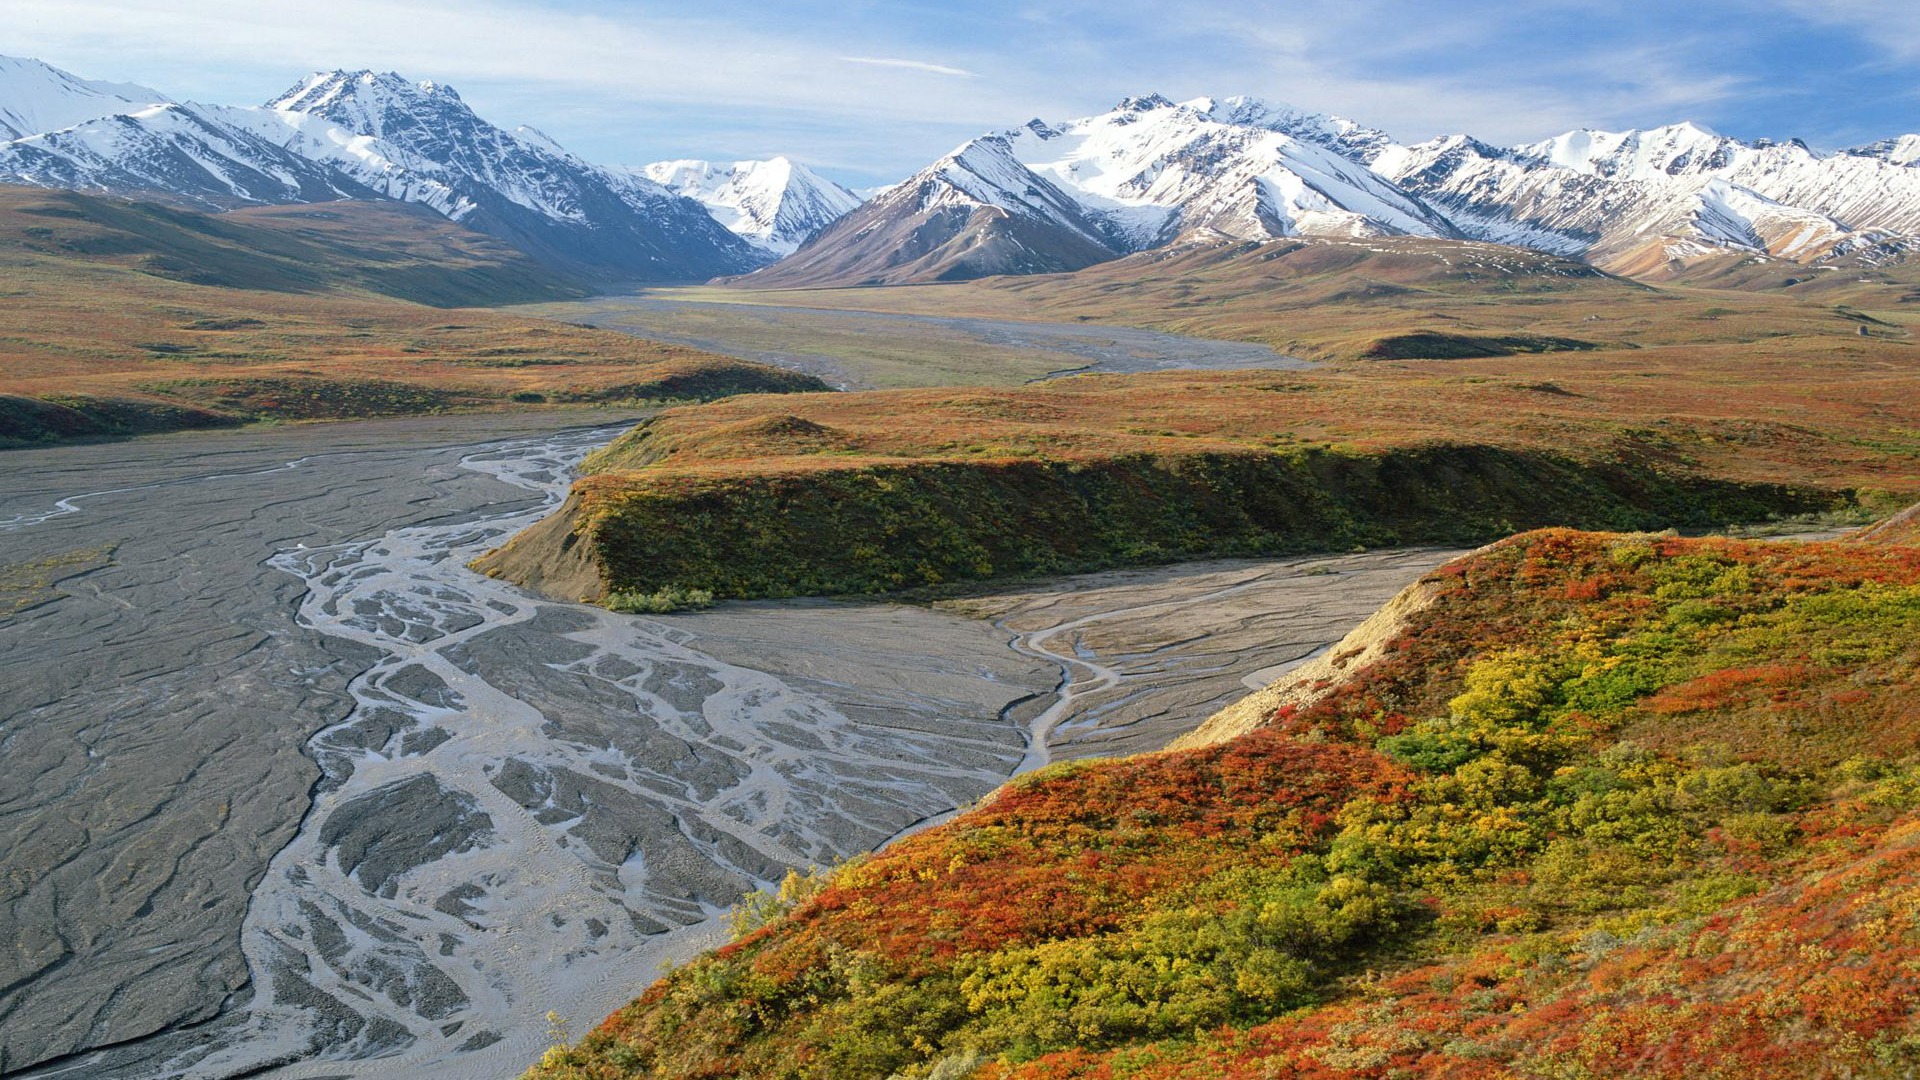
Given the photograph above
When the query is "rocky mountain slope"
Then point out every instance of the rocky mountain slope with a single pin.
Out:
(1045, 197)
(776, 205)
(365, 135)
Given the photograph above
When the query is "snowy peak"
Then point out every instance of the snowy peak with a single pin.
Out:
(369, 103)
(988, 172)
(1673, 150)
(1142, 103)
(1337, 133)
(1047, 196)
(36, 98)
(1239, 167)
(419, 142)
(1057, 195)
(1151, 171)
(776, 205)
(1904, 150)
(364, 134)
(185, 152)
(1640, 201)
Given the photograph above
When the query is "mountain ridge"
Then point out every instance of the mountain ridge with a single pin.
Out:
(1053, 196)
(36, 97)
(360, 135)
(1042, 197)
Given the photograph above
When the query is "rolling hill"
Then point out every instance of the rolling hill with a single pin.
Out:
(1410, 297)
(883, 490)
(127, 318)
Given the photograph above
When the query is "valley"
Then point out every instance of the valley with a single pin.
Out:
(1398, 298)
(129, 318)
(856, 349)
(601, 788)
(1205, 588)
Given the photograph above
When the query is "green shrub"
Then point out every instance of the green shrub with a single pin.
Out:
(660, 601)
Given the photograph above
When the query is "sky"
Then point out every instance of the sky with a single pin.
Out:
(869, 92)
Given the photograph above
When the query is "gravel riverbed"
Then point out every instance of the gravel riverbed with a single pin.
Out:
(291, 792)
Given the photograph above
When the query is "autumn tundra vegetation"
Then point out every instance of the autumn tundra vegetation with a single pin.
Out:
(886, 490)
(127, 318)
(1605, 805)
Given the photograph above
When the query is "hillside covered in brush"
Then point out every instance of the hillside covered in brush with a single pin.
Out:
(126, 318)
(878, 491)
(1599, 805)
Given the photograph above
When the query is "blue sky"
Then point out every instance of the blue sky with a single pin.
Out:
(870, 91)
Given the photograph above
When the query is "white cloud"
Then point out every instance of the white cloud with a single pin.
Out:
(1892, 26)
(513, 43)
(911, 65)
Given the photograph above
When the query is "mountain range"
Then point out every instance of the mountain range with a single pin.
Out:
(362, 135)
(1050, 197)
(1043, 197)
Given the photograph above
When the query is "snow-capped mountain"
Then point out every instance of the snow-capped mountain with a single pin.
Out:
(776, 205)
(419, 142)
(36, 97)
(1904, 150)
(366, 135)
(188, 153)
(1637, 200)
(1351, 139)
(1043, 197)
(1050, 197)
(1054, 197)
(975, 212)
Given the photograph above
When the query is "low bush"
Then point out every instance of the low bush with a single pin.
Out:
(660, 601)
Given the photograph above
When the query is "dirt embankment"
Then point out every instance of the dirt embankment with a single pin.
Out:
(1307, 684)
(550, 558)
(1901, 528)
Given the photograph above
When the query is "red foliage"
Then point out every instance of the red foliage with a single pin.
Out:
(1720, 689)
(1816, 979)
(1077, 853)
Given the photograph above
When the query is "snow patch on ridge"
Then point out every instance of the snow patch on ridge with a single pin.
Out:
(36, 98)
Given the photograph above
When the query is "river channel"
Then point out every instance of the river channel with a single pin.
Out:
(289, 791)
